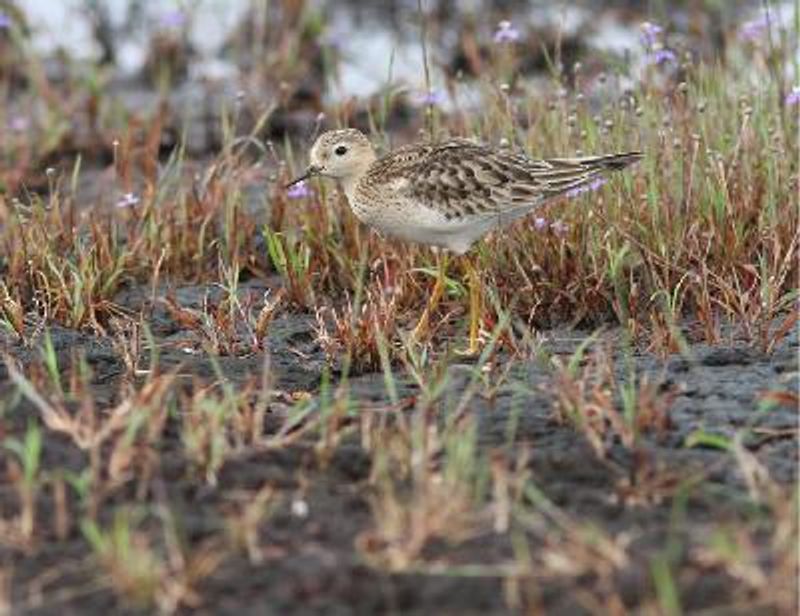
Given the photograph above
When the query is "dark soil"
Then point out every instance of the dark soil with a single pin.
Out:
(310, 563)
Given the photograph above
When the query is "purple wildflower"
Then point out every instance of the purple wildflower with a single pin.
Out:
(329, 40)
(539, 223)
(597, 183)
(5, 21)
(584, 188)
(793, 98)
(19, 123)
(173, 19)
(301, 190)
(127, 200)
(559, 227)
(754, 29)
(506, 33)
(433, 97)
(662, 56)
(650, 33)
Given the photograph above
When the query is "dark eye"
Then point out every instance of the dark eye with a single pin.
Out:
(340, 150)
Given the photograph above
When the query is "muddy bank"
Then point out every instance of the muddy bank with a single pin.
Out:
(318, 549)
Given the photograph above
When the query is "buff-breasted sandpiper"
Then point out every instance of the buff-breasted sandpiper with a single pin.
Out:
(448, 194)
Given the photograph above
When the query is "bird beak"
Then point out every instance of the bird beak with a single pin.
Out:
(309, 173)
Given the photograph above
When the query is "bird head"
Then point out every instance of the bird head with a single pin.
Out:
(340, 154)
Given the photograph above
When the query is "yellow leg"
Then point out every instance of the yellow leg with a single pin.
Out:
(475, 305)
(421, 330)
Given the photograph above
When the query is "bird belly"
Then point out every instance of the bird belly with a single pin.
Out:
(420, 225)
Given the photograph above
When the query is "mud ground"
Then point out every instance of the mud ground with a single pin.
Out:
(311, 564)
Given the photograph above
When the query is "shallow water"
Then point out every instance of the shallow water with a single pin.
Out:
(377, 45)
(373, 47)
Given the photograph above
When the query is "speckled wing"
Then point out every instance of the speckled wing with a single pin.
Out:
(463, 179)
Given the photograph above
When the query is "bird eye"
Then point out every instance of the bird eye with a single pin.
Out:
(340, 150)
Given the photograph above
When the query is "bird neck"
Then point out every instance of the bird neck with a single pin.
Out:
(350, 182)
(349, 185)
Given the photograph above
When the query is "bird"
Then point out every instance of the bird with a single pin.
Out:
(448, 194)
